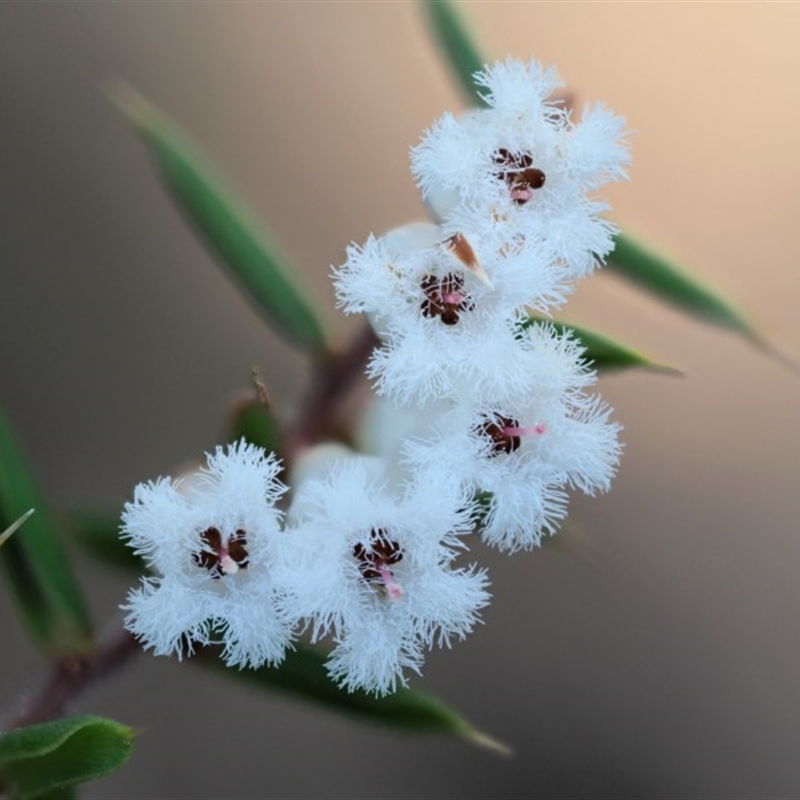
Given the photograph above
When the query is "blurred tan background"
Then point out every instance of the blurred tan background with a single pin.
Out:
(658, 654)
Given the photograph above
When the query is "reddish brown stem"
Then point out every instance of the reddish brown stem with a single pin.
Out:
(334, 376)
(69, 678)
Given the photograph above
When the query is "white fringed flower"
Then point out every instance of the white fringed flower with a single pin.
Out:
(446, 308)
(525, 450)
(376, 573)
(523, 166)
(427, 272)
(214, 543)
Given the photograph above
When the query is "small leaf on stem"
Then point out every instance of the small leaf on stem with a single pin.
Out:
(42, 759)
(253, 419)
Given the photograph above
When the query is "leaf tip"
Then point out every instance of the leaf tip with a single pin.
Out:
(15, 526)
(664, 369)
(789, 360)
(129, 101)
(487, 742)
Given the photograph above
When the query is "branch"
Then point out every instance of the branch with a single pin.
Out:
(334, 376)
(69, 678)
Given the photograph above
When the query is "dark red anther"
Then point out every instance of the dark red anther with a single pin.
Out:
(379, 552)
(214, 552)
(495, 429)
(445, 298)
(519, 173)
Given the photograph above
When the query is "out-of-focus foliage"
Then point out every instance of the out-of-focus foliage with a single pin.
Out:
(43, 760)
(244, 247)
(35, 563)
(303, 674)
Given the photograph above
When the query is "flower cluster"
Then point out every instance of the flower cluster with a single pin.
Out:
(368, 566)
(501, 400)
(484, 419)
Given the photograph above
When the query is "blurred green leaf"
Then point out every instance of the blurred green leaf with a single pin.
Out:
(62, 793)
(246, 248)
(646, 268)
(42, 760)
(97, 533)
(303, 674)
(15, 526)
(35, 564)
(253, 421)
(602, 352)
(456, 44)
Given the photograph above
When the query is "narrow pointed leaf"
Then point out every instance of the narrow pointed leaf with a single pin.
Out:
(43, 760)
(303, 674)
(456, 44)
(35, 562)
(250, 253)
(97, 532)
(14, 527)
(604, 353)
(653, 272)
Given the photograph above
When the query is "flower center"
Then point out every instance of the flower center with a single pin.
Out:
(445, 297)
(519, 173)
(375, 559)
(505, 432)
(222, 558)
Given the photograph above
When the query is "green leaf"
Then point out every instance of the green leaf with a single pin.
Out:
(303, 674)
(248, 250)
(47, 758)
(655, 273)
(254, 422)
(604, 353)
(62, 793)
(35, 563)
(15, 526)
(97, 533)
(456, 44)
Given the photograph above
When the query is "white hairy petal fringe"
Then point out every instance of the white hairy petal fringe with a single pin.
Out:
(378, 637)
(565, 440)
(514, 87)
(458, 165)
(184, 605)
(597, 149)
